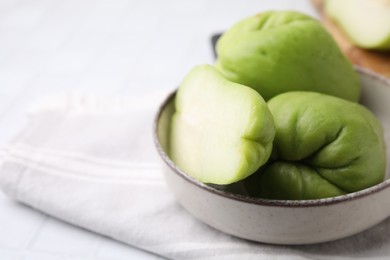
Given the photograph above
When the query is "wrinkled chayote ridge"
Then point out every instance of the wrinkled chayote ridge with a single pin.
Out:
(279, 51)
(324, 146)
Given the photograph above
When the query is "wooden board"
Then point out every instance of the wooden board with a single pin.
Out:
(373, 60)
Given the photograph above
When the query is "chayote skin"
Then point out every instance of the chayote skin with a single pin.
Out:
(279, 51)
(324, 147)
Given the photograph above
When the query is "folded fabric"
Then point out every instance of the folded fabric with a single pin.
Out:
(91, 162)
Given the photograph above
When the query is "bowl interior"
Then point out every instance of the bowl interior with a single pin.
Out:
(375, 96)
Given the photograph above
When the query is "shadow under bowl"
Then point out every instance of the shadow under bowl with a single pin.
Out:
(283, 221)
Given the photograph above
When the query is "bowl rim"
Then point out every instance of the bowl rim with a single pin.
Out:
(260, 201)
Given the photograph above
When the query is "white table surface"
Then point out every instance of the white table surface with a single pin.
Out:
(107, 47)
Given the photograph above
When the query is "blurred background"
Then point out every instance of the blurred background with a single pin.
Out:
(108, 47)
(137, 48)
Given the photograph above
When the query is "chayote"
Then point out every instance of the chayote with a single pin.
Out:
(324, 146)
(279, 51)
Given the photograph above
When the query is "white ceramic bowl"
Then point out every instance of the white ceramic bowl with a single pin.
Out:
(284, 221)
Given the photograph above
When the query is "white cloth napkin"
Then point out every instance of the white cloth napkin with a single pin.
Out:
(91, 162)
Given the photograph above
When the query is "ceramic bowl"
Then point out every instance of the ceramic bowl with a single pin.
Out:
(283, 221)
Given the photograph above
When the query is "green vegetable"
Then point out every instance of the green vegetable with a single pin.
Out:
(324, 146)
(279, 51)
(221, 131)
(366, 22)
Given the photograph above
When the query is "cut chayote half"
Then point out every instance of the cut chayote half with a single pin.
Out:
(324, 147)
(221, 132)
(372, 32)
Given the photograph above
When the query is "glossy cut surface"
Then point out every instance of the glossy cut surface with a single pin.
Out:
(365, 22)
(221, 132)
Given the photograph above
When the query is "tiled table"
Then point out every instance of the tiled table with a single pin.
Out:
(107, 47)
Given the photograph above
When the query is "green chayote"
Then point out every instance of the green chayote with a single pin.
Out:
(278, 51)
(221, 132)
(324, 147)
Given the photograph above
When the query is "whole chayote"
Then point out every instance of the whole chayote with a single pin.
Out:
(279, 51)
(324, 147)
